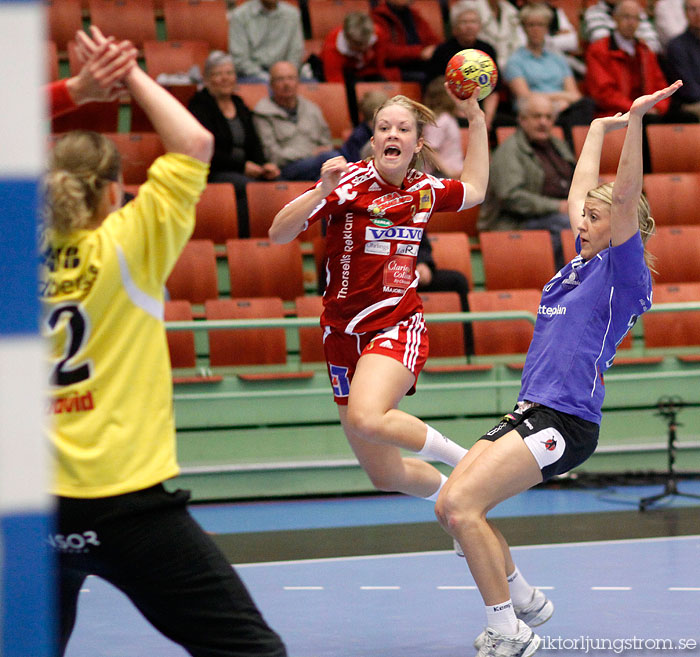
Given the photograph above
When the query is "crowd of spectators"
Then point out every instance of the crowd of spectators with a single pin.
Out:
(561, 68)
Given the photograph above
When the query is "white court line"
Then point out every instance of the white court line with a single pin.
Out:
(684, 588)
(611, 588)
(456, 588)
(380, 588)
(303, 588)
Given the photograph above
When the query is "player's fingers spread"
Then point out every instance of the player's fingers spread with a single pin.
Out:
(96, 34)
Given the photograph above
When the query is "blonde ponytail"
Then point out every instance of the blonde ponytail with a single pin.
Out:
(82, 164)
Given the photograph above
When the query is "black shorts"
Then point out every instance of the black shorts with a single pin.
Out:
(148, 545)
(558, 441)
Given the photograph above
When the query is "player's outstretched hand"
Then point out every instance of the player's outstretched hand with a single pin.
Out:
(644, 103)
(615, 122)
(104, 65)
(331, 171)
(88, 44)
(100, 78)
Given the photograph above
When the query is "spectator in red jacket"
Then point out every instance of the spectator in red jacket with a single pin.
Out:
(356, 51)
(621, 68)
(412, 40)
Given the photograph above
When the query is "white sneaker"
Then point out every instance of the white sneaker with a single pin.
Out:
(522, 644)
(458, 548)
(539, 610)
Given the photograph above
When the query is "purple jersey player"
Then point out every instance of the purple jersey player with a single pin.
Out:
(585, 312)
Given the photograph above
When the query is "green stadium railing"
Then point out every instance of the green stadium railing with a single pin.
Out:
(241, 441)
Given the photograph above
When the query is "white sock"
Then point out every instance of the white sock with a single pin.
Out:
(439, 448)
(520, 591)
(434, 496)
(501, 617)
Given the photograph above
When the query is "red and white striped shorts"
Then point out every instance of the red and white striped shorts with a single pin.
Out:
(407, 342)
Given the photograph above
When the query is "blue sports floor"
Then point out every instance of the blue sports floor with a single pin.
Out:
(636, 596)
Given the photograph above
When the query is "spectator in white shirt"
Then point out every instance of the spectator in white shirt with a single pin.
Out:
(598, 23)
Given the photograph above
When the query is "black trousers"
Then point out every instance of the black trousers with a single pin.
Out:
(147, 545)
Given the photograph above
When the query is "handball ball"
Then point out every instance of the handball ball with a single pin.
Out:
(469, 69)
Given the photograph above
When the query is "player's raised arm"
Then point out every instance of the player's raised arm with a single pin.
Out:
(629, 178)
(587, 169)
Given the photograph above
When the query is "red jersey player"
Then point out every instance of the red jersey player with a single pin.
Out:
(374, 335)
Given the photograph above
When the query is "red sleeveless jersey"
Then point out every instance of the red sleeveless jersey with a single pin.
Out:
(373, 233)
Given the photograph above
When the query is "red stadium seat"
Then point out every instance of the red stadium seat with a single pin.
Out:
(673, 147)
(140, 121)
(246, 346)
(125, 19)
(138, 150)
(446, 338)
(517, 259)
(194, 277)
(463, 221)
(331, 97)
(100, 117)
(568, 244)
(673, 197)
(451, 251)
(259, 268)
(503, 336)
(612, 147)
(310, 338)
(673, 329)
(408, 89)
(431, 11)
(326, 15)
(677, 252)
(252, 92)
(197, 20)
(174, 56)
(217, 214)
(64, 19)
(266, 199)
(180, 343)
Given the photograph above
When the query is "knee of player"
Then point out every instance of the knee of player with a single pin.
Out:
(453, 511)
(364, 422)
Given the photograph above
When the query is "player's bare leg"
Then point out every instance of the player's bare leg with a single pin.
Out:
(376, 429)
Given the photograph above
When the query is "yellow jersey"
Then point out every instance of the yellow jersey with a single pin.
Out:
(102, 291)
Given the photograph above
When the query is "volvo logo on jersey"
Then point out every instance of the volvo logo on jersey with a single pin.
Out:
(401, 233)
